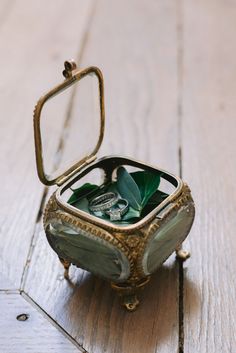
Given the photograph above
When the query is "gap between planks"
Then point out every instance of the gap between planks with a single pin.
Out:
(174, 340)
(49, 334)
(52, 321)
(65, 127)
(180, 55)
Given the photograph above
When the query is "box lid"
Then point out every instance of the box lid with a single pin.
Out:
(72, 76)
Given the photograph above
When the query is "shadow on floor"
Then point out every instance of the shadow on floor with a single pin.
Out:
(94, 317)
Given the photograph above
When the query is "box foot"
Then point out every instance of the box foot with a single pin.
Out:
(66, 264)
(129, 293)
(182, 254)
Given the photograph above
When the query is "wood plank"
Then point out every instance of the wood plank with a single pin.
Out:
(140, 67)
(31, 332)
(5, 10)
(209, 105)
(5, 283)
(35, 39)
(91, 313)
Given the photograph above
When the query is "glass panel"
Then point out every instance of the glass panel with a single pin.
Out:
(88, 251)
(164, 242)
(70, 125)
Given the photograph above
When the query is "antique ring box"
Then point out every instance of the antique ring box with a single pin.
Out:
(124, 255)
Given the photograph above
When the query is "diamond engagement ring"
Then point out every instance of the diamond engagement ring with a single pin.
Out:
(103, 202)
(118, 210)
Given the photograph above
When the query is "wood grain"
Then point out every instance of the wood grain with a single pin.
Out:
(164, 63)
(35, 334)
(90, 312)
(140, 68)
(33, 47)
(209, 105)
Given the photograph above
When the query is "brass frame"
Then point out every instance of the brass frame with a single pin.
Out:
(130, 240)
(72, 76)
(132, 246)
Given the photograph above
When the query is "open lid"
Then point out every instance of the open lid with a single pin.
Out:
(72, 76)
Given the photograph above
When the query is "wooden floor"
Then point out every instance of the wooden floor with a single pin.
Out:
(170, 89)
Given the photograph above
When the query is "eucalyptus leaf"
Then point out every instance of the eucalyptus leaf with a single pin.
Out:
(148, 183)
(128, 188)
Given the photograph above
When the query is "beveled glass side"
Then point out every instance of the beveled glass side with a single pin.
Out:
(165, 240)
(88, 251)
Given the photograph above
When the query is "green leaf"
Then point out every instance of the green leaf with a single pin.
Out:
(157, 198)
(153, 202)
(148, 183)
(82, 204)
(128, 189)
(82, 191)
(132, 213)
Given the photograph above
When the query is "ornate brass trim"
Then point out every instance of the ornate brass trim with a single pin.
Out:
(52, 211)
(131, 245)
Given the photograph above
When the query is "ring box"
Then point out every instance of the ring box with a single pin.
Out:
(126, 255)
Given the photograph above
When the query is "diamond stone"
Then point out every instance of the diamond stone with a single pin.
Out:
(115, 215)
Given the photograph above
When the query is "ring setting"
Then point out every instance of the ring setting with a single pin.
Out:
(110, 204)
(103, 202)
(118, 210)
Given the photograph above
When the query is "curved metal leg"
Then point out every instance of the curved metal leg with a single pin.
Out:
(130, 302)
(129, 293)
(181, 253)
(66, 265)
